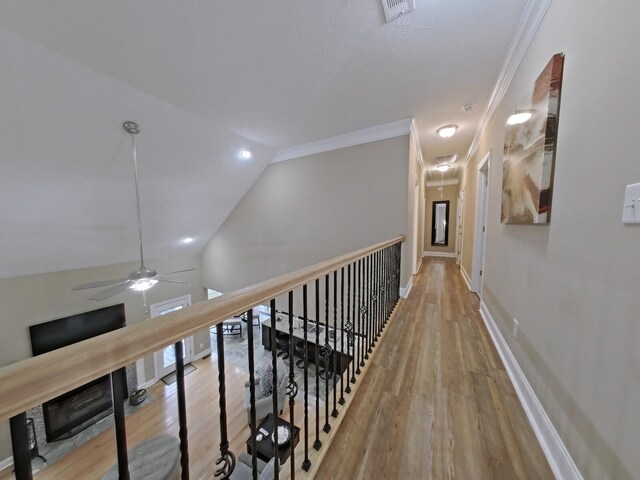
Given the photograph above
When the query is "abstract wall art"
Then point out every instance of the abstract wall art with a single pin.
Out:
(530, 150)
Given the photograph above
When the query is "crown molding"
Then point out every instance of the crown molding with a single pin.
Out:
(532, 16)
(438, 183)
(359, 137)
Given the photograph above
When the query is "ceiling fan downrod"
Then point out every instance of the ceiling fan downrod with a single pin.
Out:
(133, 128)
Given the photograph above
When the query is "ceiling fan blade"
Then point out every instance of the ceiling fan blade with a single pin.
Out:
(177, 271)
(103, 283)
(110, 292)
(170, 281)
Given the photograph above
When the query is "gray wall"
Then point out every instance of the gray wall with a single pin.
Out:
(35, 299)
(573, 285)
(311, 209)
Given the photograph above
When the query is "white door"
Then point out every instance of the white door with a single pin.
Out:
(482, 198)
(165, 359)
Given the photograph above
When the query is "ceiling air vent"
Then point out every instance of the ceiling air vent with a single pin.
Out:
(395, 8)
(445, 159)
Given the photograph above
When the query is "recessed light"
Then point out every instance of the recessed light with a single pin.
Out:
(519, 116)
(245, 154)
(187, 240)
(447, 131)
(443, 168)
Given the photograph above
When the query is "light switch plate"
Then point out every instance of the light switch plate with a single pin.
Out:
(631, 208)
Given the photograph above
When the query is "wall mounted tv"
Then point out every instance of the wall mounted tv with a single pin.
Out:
(65, 331)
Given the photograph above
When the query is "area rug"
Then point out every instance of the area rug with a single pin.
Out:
(171, 378)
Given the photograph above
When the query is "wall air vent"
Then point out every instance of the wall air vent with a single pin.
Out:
(396, 8)
(448, 159)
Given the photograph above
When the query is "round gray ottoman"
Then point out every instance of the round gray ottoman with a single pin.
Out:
(155, 459)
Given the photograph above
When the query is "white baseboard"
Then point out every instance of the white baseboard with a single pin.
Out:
(404, 292)
(438, 254)
(559, 459)
(6, 463)
(202, 354)
(465, 277)
(149, 383)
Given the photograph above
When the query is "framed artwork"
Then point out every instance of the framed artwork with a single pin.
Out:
(530, 150)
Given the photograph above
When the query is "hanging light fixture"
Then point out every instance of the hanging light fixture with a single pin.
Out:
(143, 278)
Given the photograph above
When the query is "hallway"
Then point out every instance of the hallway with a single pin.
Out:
(436, 402)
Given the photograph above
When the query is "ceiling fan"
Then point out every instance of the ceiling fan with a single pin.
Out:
(143, 278)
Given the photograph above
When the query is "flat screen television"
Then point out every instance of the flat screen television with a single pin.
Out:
(71, 412)
(65, 331)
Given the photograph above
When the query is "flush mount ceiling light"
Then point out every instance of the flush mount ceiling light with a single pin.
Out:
(245, 154)
(443, 168)
(467, 107)
(447, 131)
(519, 116)
(187, 240)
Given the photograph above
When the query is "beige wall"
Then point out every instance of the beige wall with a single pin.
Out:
(573, 285)
(449, 192)
(35, 299)
(307, 210)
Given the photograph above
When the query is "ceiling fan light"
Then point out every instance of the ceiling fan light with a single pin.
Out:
(447, 131)
(143, 284)
(519, 116)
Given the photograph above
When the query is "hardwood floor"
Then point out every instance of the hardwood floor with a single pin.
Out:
(437, 402)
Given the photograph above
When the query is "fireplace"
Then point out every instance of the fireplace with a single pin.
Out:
(72, 412)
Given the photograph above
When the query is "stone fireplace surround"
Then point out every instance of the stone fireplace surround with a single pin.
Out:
(38, 418)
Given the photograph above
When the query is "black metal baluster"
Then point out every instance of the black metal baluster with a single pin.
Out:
(227, 461)
(22, 449)
(326, 355)
(306, 464)
(351, 366)
(317, 444)
(117, 400)
(370, 297)
(385, 285)
(178, 349)
(378, 294)
(274, 382)
(252, 395)
(361, 315)
(398, 260)
(387, 312)
(334, 412)
(292, 388)
(374, 296)
(365, 302)
(342, 333)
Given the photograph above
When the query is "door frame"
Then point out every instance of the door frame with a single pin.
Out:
(154, 310)
(459, 226)
(480, 227)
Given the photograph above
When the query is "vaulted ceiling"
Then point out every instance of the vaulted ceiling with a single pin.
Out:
(204, 80)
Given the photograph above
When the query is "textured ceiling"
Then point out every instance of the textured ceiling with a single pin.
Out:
(205, 79)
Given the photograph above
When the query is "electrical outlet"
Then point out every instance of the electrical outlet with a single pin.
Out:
(201, 345)
(515, 328)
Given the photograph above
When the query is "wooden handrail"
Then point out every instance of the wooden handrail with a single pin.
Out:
(31, 382)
